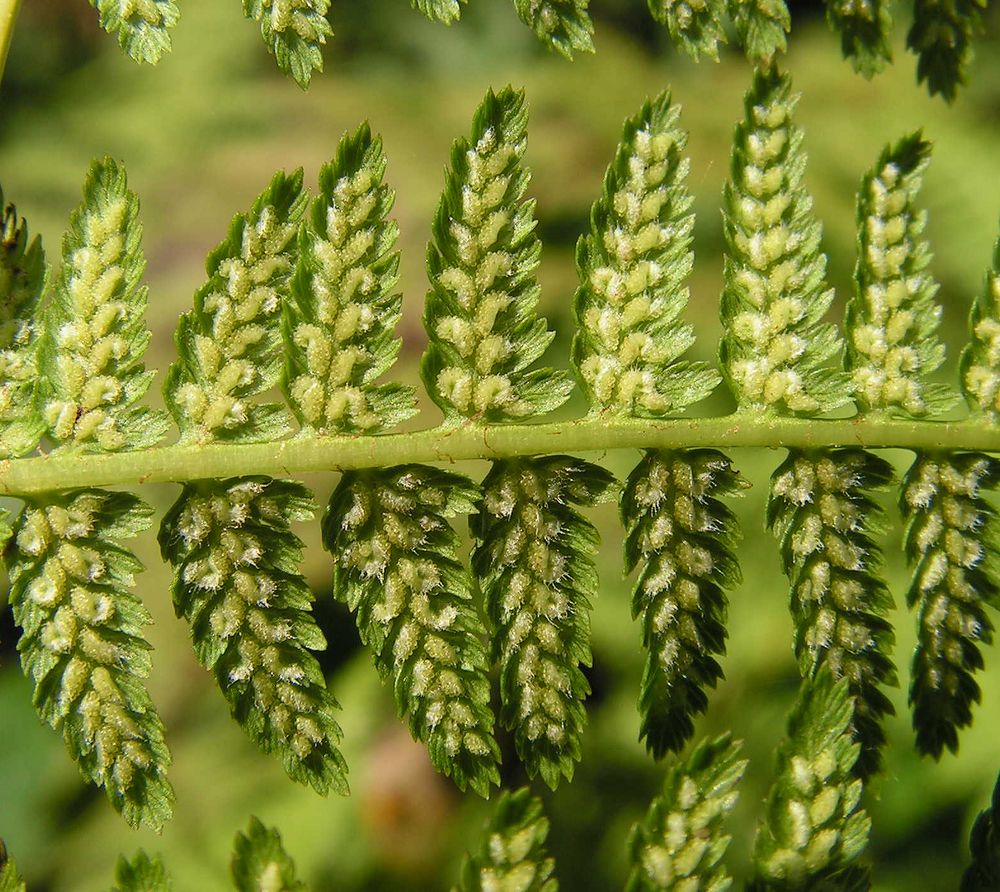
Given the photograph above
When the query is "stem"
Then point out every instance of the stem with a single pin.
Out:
(183, 462)
(8, 14)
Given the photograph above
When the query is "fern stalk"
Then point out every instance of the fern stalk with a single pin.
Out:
(188, 462)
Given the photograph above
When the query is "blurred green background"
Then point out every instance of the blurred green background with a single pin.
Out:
(201, 135)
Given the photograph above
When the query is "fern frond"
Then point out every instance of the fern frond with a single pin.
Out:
(142, 874)
(680, 843)
(294, 31)
(696, 26)
(941, 36)
(229, 346)
(564, 25)
(761, 26)
(260, 862)
(980, 363)
(633, 265)
(444, 11)
(775, 348)
(22, 282)
(142, 26)
(682, 538)
(892, 317)
(10, 879)
(338, 324)
(814, 827)
(480, 311)
(236, 581)
(534, 559)
(90, 357)
(396, 567)
(512, 855)
(865, 29)
(819, 506)
(983, 874)
(82, 642)
(952, 537)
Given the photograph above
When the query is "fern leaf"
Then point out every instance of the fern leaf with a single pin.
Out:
(534, 558)
(444, 11)
(397, 569)
(953, 539)
(681, 536)
(90, 358)
(865, 29)
(142, 26)
(680, 843)
(696, 26)
(892, 317)
(819, 505)
(82, 643)
(142, 874)
(983, 874)
(564, 25)
(980, 362)
(761, 26)
(512, 855)
(10, 879)
(632, 267)
(260, 862)
(775, 347)
(294, 31)
(22, 281)
(479, 313)
(338, 324)
(236, 581)
(941, 36)
(229, 346)
(814, 827)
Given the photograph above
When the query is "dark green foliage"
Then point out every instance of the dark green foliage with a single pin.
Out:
(22, 281)
(680, 843)
(260, 862)
(339, 319)
(142, 874)
(141, 25)
(10, 879)
(480, 312)
(396, 567)
(865, 28)
(294, 31)
(892, 319)
(681, 536)
(761, 26)
(953, 540)
(820, 507)
(83, 646)
(444, 11)
(941, 36)
(813, 827)
(229, 346)
(983, 874)
(697, 26)
(90, 358)
(776, 349)
(534, 560)
(236, 581)
(564, 25)
(633, 266)
(512, 854)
